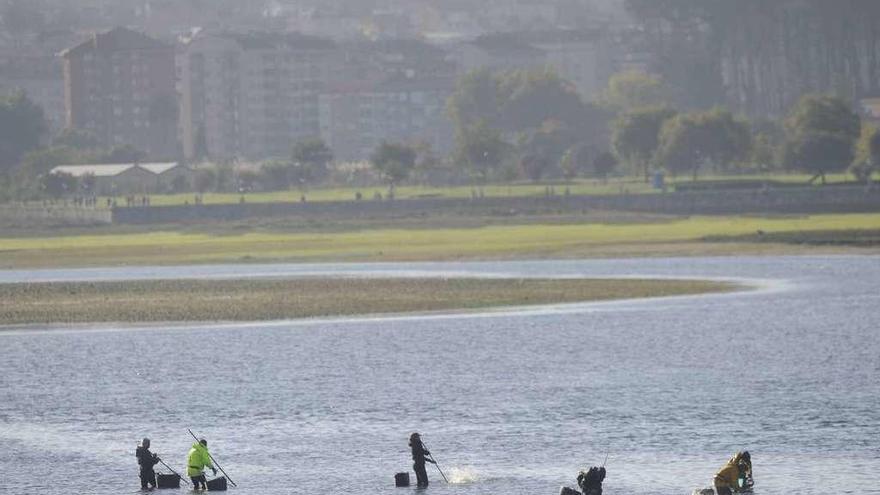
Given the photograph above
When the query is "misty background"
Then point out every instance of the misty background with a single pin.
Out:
(272, 95)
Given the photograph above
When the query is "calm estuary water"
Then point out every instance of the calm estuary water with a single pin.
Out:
(511, 402)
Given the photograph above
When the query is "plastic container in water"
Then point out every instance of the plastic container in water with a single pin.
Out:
(401, 479)
(217, 484)
(167, 480)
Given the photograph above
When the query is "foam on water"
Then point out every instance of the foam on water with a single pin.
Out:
(460, 475)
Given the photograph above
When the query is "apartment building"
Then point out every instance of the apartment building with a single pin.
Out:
(250, 95)
(120, 86)
(355, 119)
(41, 79)
(577, 55)
(498, 52)
(29, 63)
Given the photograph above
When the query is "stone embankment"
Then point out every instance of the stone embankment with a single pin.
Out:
(33, 215)
(782, 201)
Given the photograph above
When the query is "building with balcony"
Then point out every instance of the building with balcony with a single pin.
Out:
(250, 95)
(120, 86)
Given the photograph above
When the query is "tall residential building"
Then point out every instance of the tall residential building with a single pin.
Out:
(498, 52)
(250, 95)
(120, 85)
(575, 54)
(356, 119)
(30, 64)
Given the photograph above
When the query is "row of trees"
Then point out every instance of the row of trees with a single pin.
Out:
(536, 120)
(309, 164)
(759, 56)
(509, 125)
(821, 134)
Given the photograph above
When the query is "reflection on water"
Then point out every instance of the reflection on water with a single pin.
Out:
(510, 402)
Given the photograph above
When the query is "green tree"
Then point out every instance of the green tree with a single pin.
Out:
(542, 149)
(603, 164)
(225, 177)
(729, 140)
(818, 153)
(477, 97)
(247, 179)
(763, 153)
(635, 136)
(480, 149)
(275, 175)
(522, 100)
(533, 97)
(204, 179)
(821, 132)
(867, 155)
(310, 158)
(43, 160)
(22, 126)
(58, 184)
(823, 113)
(394, 162)
(633, 89)
(691, 141)
(572, 163)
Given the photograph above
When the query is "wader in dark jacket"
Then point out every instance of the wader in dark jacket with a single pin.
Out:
(420, 456)
(590, 482)
(146, 461)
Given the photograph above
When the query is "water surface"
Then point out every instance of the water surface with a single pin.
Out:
(512, 401)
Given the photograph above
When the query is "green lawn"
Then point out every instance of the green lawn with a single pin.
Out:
(675, 236)
(629, 185)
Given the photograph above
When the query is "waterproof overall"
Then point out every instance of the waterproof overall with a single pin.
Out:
(590, 482)
(418, 455)
(196, 462)
(146, 461)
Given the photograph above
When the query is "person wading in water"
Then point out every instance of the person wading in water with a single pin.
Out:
(196, 462)
(420, 455)
(735, 476)
(590, 481)
(146, 461)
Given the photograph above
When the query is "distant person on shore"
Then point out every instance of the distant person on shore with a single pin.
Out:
(146, 461)
(735, 476)
(590, 481)
(420, 455)
(196, 462)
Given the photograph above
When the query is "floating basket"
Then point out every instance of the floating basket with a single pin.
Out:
(401, 479)
(217, 484)
(167, 481)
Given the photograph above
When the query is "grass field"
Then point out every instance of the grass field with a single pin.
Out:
(251, 300)
(654, 236)
(629, 185)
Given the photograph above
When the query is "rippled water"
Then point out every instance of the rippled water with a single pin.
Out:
(511, 402)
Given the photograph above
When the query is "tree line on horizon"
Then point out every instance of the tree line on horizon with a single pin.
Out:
(528, 124)
(757, 56)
